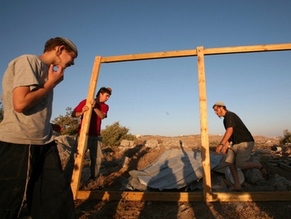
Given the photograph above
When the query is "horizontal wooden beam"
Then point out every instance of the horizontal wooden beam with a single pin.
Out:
(247, 49)
(140, 196)
(248, 196)
(185, 196)
(193, 52)
(153, 55)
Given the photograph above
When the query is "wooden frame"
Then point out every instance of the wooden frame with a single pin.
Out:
(207, 195)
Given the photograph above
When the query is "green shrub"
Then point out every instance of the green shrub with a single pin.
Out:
(67, 122)
(286, 138)
(113, 134)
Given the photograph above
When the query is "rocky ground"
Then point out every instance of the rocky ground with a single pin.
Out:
(146, 149)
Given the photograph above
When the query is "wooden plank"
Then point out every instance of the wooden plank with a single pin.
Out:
(248, 49)
(145, 56)
(186, 53)
(249, 196)
(205, 153)
(83, 138)
(140, 196)
(185, 196)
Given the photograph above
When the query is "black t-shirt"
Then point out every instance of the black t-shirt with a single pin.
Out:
(240, 131)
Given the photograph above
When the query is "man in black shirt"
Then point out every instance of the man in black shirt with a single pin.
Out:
(242, 143)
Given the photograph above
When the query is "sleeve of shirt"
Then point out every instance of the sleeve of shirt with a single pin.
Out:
(80, 106)
(26, 72)
(104, 108)
(229, 120)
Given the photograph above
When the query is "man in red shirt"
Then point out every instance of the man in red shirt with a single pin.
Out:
(100, 110)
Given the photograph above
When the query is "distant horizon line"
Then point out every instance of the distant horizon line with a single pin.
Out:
(184, 135)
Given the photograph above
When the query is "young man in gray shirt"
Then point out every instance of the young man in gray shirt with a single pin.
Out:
(30, 169)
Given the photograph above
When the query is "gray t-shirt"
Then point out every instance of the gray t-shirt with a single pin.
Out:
(33, 125)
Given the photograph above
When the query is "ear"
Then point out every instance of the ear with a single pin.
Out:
(60, 49)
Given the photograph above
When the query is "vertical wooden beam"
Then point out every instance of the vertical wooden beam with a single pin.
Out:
(83, 138)
(204, 123)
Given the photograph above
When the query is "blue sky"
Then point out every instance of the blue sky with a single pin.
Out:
(161, 96)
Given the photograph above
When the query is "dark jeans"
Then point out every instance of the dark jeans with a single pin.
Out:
(48, 192)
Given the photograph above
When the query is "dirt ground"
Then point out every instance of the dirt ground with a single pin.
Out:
(113, 173)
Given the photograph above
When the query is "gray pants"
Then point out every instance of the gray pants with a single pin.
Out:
(95, 147)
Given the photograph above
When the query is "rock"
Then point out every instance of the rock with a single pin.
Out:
(152, 143)
(126, 143)
(254, 176)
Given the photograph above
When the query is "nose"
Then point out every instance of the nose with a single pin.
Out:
(70, 63)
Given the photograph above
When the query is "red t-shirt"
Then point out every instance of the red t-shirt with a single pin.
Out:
(95, 122)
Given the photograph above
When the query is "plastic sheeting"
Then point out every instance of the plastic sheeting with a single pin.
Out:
(174, 169)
